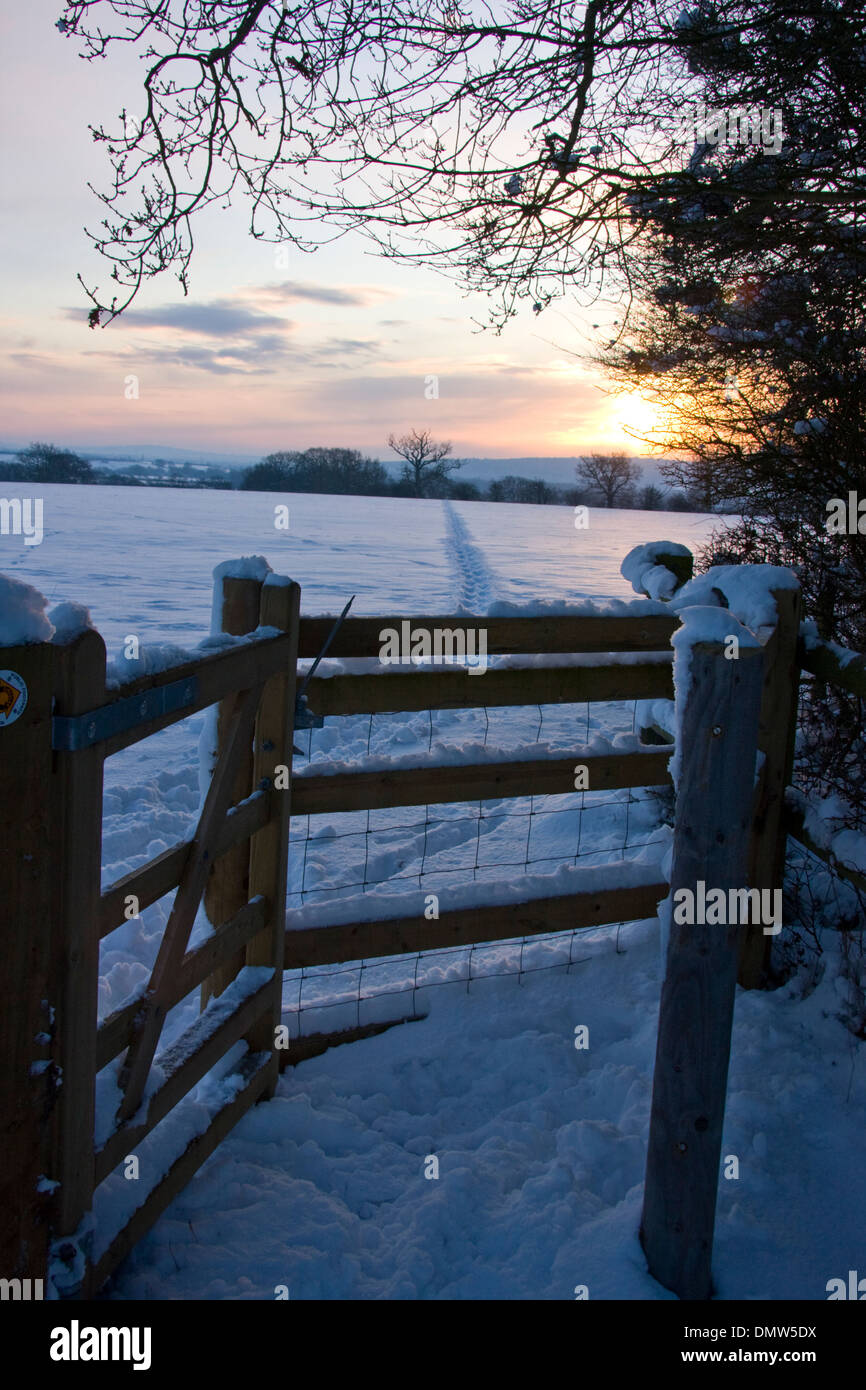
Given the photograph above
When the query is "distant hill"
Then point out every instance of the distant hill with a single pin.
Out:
(116, 455)
(550, 470)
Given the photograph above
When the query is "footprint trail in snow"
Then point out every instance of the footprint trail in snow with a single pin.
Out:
(475, 581)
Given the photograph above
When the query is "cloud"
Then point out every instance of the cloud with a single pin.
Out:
(222, 318)
(263, 354)
(354, 296)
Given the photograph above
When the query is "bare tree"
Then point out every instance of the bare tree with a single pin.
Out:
(502, 140)
(613, 475)
(425, 459)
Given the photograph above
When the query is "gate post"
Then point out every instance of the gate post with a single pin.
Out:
(77, 851)
(236, 602)
(269, 849)
(28, 892)
(716, 751)
(776, 739)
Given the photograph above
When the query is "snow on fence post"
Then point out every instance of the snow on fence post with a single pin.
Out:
(776, 739)
(237, 600)
(718, 708)
(269, 849)
(28, 889)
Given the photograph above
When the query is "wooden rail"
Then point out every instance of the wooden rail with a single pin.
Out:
(425, 785)
(836, 665)
(432, 688)
(361, 637)
(469, 926)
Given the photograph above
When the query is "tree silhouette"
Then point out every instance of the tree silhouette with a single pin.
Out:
(613, 475)
(425, 459)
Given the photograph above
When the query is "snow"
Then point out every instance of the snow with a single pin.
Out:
(814, 641)
(660, 712)
(331, 667)
(541, 1150)
(373, 906)
(451, 755)
(247, 567)
(824, 820)
(700, 624)
(22, 614)
(747, 590)
(69, 620)
(549, 608)
(641, 568)
(158, 657)
(541, 1146)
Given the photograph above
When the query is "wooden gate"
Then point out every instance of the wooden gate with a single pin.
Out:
(53, 758)
(728, 830)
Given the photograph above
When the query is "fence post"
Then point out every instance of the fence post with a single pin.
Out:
(77, 852)
(776, 738)
(717, 746)
(228, 885)
(269, 849)
(28, 883)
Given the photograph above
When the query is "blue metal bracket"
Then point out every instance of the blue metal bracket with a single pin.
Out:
(304, 716)
(71, 733)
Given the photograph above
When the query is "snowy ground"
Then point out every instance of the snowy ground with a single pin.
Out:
(541, 1151)
(540, 1146)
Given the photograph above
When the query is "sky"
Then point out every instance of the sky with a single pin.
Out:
(271, 348)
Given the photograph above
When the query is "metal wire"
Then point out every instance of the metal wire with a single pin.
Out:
(488, 817)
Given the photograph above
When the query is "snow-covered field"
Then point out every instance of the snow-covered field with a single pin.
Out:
(540, 1146)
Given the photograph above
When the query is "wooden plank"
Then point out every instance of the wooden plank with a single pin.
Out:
(470, 926)
(794, 822)
(117, 1030)
(777, 731)
(314, 1044)
(254, 1070)
(77, 789)
(183, 1069)
(228, 886)
(151, 1015)
(824, 663)
(218, 676)
(153, 880)
(387, 691)
(29, 893)
(422, 786)
(711, 844)
(269, 850)
(505, 636)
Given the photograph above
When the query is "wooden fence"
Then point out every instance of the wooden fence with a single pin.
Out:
(236, 861)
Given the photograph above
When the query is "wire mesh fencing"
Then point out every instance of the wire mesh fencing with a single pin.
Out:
(401, 851)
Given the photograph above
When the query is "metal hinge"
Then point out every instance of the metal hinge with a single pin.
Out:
(71, 733)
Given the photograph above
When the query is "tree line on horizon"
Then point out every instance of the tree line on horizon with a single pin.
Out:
(605, 480)
(601, 480)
